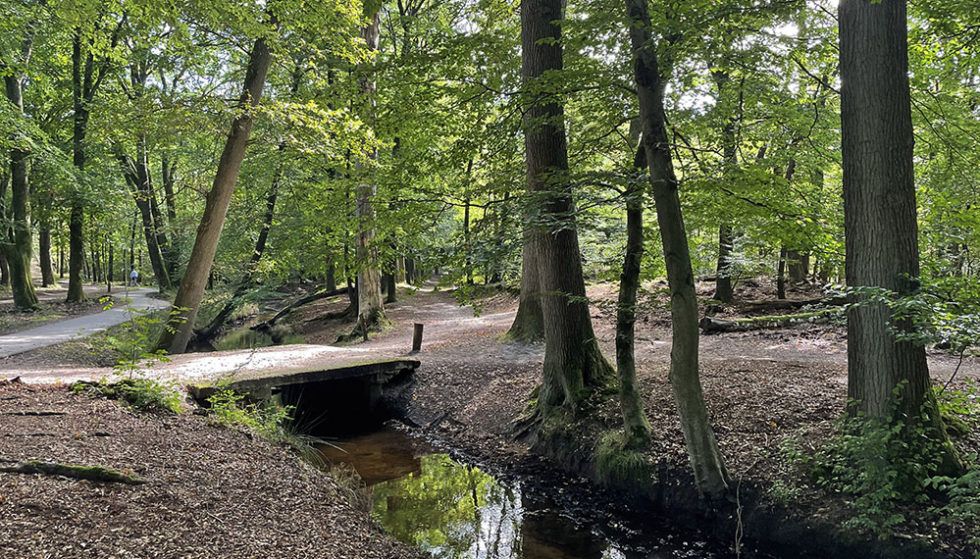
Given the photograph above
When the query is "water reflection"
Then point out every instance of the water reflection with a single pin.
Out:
(457, 511)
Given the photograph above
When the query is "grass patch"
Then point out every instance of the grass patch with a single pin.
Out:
(618, 464)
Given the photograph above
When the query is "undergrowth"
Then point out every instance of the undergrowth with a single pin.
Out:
(889, 469)
(618, 463)
(142, 394)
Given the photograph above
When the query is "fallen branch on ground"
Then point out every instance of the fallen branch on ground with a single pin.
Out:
(713, 325)
(268, 324)
(73, 471)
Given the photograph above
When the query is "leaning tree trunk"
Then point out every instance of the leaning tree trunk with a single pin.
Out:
(18, 251)
(370, 304)
(180, 326)
(881, 233)
(573, 363)
(706, 460)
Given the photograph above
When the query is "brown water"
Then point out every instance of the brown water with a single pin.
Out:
(454, 510)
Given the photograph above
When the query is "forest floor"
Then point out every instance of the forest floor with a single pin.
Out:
(764, 389)
(207, 491)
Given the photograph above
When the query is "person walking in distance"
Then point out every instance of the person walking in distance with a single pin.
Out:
(134, 278)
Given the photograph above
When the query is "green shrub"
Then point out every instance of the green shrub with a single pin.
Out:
(962, 509)
(140, 393)
(267, 419)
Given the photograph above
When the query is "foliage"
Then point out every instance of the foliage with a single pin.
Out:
(267, 419)
(133, 342)
(962, 509)
(618, 464)
(143, 394)
(884, 467)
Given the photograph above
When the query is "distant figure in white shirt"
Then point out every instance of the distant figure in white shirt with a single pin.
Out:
(134, 278)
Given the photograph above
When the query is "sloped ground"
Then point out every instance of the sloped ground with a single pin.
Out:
(209, 491)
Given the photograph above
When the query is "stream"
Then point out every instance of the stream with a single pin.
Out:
(454, 510)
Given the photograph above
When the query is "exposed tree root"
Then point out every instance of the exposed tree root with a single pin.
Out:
(323, 294)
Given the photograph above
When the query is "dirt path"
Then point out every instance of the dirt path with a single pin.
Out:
(62, 331)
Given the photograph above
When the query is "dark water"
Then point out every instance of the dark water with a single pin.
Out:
(458, 511)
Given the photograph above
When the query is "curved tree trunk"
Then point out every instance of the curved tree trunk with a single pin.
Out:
(706, 460)
(573, 363)
(180, 325)
(138, 188)
(880, 225)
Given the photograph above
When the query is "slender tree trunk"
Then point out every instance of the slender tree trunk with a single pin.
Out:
(138, 188)
(81, 76)
(44, 255)
(634, 420)
(710, 474)
(781, 274)
(168, 176)
(573, 363)
(181, 324)
(724, 291)
(880, 227)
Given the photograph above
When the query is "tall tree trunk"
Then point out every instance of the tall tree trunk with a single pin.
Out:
(81, 76)
(370, 305)
(881, 233)
(706, 460)
(44, 254)
(18, 251)
(634, 420)
(781, 274)
(573, 363)
(724, 291)
(174, 339)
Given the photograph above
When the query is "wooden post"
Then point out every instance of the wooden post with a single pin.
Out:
(417, 338)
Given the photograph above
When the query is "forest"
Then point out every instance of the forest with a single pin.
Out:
(487, 279)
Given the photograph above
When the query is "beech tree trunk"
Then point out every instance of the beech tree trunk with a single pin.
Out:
(881, 232)
(706, 460)
(370, 304)
(181, 322)
(18, 249)
(634, 420)
(44, 255)
(573, 363)
(168, 175)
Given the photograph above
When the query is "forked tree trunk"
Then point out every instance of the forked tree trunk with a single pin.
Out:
(573, 363)
(139, 190)
(706, 460)
(880, 226)
(180, 325)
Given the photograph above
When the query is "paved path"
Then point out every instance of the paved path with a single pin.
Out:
(80, 327)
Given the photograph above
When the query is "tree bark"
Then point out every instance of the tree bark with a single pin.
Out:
(634, 420)
(573, 363)
(18, 251)
(710, 474)
(169, 176)
(44, 255)
(781, 274)
(881, 233)
(370, 305)
(528, 324)
(175, 337)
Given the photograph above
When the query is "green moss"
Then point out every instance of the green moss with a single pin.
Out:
(73, 471)
(618, 464)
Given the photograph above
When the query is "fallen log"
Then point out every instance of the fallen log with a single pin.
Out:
(322, 294)
(73, 471)
(713, 325)
(768, 307)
